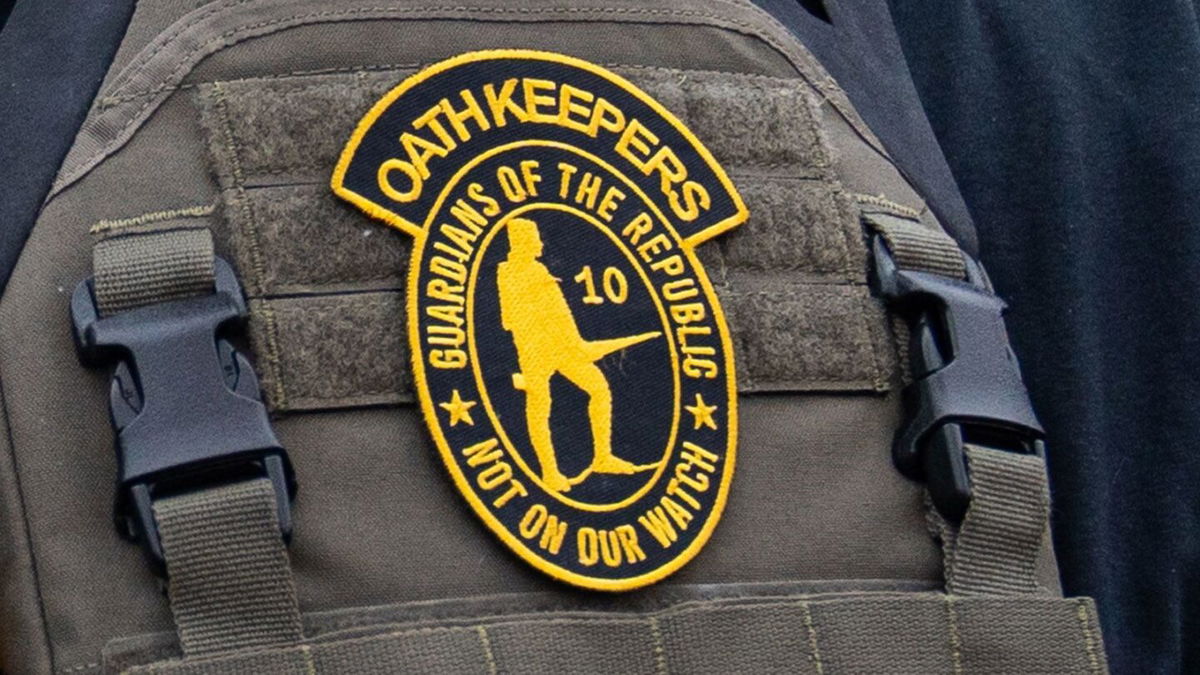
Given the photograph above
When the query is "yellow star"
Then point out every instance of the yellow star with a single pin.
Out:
(703, 413)
(459, 409)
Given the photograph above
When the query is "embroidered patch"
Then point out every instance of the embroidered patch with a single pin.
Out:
(569, 353)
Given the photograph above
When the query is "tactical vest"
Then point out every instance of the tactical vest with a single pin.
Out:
(566, 336)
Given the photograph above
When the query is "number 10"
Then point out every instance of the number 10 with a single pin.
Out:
(615, 286)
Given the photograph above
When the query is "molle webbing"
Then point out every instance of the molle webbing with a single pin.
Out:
(326, 284)
(872, 633)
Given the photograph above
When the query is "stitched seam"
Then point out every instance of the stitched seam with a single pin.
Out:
(849, 226)
(850, 116)
(140, 62)
(660, 654)
(391, 391)
(239, 179)
(878, 377)
(284, 170)
(154, 217)
(276, 371)
(1044, 518)
(880, 342)
(955, 637)
(184, 59)
(317, 305)
(273, 366)
(111, 101)
(812, 638)
(536, 615)
(1089, 643)
(488, 656)
(299, 284)
(396, 398)
(880, 200)
(834, 285)
(747, 170)
(80, 668)
(310, 666)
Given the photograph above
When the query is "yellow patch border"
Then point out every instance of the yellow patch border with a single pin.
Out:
(374, 210)
(688, 244)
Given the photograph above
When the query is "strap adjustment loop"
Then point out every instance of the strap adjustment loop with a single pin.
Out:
(184, 402)
(967, 385)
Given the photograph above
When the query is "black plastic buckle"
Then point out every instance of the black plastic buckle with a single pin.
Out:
(184, 402)
(967, 386)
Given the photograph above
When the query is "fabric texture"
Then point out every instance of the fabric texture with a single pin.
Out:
(995, 550)
(816, 497)
(133, 270)
(53, 56)
(1071, 128)
(910, 633)
(857, 43)
(229, 580)
(327, 313)
(918, 248)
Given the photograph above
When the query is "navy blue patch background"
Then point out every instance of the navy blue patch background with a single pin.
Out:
(640, 376)
(381, 143)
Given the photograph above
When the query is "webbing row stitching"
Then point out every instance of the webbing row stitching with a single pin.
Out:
(489, 657)
(812, 638)
(660, 653)
(1089, 642)
(955, 637)
(310, 665)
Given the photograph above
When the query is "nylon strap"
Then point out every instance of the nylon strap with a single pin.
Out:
(142, 268)
(871, 633)
(995, 549)
(917, 247)
(229, 580)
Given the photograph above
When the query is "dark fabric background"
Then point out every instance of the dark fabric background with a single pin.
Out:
(53, 55)
(5, 8)
(1071, 130)
(857, 44)
(1074, 132)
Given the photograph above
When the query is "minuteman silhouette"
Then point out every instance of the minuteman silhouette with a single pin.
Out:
(534, 309)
